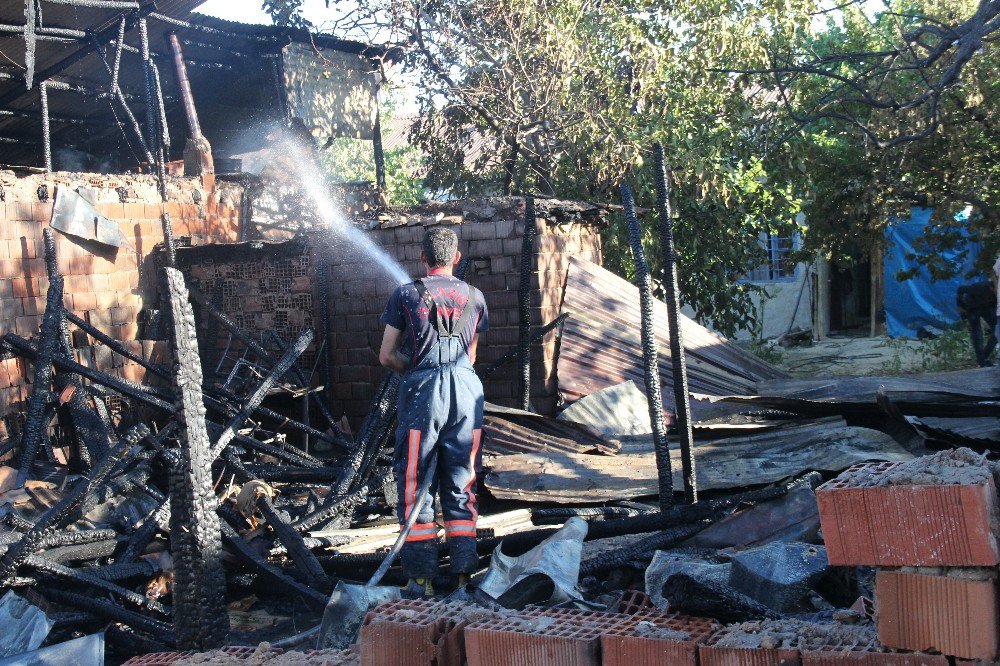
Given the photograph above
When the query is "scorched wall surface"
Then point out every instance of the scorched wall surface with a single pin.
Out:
(107, 286)
(490, 233)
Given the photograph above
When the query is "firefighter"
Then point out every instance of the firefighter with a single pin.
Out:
(431, 333)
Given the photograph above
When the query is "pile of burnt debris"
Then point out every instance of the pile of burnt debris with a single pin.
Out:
(188, 520)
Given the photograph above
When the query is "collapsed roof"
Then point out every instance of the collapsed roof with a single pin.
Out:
(245, 79)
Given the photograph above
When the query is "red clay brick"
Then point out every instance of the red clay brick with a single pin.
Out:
(511, 642)
(865, 658)
(954, 616)
(946, 525)
(27, 326)
(411, 632)
(25, 287)
(84, 301)
(622, 646)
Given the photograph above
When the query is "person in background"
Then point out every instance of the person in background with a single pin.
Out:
(977, 304)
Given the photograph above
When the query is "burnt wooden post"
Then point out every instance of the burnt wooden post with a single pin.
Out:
(649, 354)
(201, 621)
(36, 425)
(678, 360)
(524, 305)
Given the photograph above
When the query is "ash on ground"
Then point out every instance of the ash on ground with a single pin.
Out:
(790, 634)
(952, 467)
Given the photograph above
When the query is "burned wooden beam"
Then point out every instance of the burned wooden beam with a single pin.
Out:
(289, 537)
(35, 427)
(200, 618)
(55, 517)
(252, 402)
(245, 552)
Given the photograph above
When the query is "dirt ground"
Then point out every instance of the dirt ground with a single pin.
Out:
(853, 357)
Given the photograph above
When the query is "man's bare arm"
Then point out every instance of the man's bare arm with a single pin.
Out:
(389, 355)
(473, 347)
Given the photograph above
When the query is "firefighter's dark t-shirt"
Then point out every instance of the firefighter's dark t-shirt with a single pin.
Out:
(407, 312)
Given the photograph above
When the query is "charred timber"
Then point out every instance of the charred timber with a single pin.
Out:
(158, 630)
(55, 517)
(651, 366)
(200, 619)
(34, 427)
(289, 537)
(246, 552)
(257, 397)
(678, 360)
(645, 548)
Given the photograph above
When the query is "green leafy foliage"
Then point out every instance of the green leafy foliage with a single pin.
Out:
(566, 97)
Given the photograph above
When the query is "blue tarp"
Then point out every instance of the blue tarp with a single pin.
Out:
(919, 301)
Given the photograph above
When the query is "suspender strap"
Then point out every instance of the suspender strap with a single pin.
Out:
(463, 319)
(439, 322)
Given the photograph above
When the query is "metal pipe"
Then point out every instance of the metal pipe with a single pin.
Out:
(651, 364)
(185, 85)
(682, 399)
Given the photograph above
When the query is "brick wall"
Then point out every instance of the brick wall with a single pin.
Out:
(490, 233)
(104, 285)
(263, 287)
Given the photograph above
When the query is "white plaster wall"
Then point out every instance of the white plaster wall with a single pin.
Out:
(776, 306)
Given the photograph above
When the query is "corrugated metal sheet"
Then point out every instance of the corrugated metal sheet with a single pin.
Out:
(735, 462)
(981, 432)
(508, 431)
(969, 393)
(600, 344)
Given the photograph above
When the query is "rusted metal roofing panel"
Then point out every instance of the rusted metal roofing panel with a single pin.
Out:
(970, 393)
(600, 344)
(982, 432)
(735, 462)
(508, 431)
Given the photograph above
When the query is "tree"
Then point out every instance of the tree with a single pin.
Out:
(915, 125)
(569, 96)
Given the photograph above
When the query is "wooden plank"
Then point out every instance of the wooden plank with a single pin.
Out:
(728, 463)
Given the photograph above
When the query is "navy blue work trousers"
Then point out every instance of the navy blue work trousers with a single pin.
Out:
(440, 408)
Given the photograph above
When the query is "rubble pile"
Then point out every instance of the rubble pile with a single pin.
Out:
(191, 510)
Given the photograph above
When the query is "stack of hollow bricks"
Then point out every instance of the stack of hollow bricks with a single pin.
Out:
(936, 552)
(490, 234)
(263, 289)
(105, 286)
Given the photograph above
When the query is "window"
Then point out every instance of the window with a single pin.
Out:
(779, 265)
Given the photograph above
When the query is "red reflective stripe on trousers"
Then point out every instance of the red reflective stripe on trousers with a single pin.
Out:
(459, 523)
(421, 537)
(412, 458)
(469, 492)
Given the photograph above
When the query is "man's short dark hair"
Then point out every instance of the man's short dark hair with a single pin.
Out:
(440, 246)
